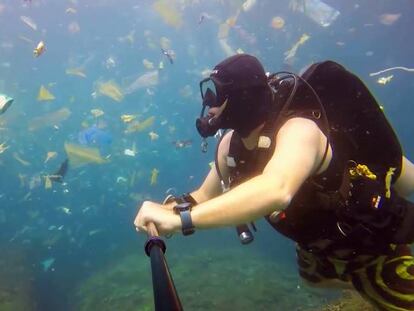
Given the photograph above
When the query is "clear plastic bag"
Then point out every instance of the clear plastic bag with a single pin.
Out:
(318, 11)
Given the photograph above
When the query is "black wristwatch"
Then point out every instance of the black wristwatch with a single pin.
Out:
(184, 209)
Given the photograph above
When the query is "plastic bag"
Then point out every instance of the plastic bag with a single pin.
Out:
(318, 11)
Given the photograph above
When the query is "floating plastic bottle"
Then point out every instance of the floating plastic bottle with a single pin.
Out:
(316, 10)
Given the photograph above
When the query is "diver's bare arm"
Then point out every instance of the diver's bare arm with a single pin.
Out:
(300, 148)
(405, 183)
(211, 186)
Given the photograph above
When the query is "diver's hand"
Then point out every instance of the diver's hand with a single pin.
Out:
(166, 221)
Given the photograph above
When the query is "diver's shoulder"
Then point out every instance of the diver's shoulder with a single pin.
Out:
(224, 146)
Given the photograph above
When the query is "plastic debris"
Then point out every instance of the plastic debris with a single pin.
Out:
(50, 119)
(47, 264)
(391, 69)
(248, 5)
(97, 112)
(179, 144)
(94, 136)
(170, 54)
(3, 147)
(144, 81)
(70, 11)
(129, 38)
(73, 27)
(385, 80)
(277, 22)
(154, 176)
(48, 182)
(165, 43)
(121, 179)
(153, 135)
(76, 72)
(20, 160)
(129, 152)
(39, 49)
(111, 90)
(29, 22)
(186, 91)
(50, 155)
(147, 64)
(137, 126)
(318, 11)
(290, 54)
(169, 13)
(126, 118)
(45, 94)
(79, 155)
(389, 19)
(26, 39)
(5, 103)
(65, 210)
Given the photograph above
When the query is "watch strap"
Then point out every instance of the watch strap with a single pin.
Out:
(186, 222)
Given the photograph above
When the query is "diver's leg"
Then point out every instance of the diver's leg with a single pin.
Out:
(388, 281)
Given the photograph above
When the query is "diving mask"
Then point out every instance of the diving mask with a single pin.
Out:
(207, 125)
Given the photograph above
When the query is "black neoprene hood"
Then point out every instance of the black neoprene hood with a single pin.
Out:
(241, 79)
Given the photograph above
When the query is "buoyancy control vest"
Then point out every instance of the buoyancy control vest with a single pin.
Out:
(353, 201)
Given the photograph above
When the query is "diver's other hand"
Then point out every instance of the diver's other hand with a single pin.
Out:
(165, 220)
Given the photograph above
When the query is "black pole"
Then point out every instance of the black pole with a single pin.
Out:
(165, 294)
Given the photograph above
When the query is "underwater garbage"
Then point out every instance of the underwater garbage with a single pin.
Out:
(80, 155)
(44, 94)
(318, 11)
(94, 136)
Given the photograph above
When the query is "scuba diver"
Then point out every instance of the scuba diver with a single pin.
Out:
(315, 155)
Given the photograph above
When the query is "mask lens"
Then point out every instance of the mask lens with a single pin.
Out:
(208, 93)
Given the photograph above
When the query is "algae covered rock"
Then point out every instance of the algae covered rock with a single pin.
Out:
(16, 291)
(206, 279)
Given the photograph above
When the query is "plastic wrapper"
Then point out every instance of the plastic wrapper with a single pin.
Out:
(44, 94)
(169, 13)
(316, 10)
(80, 155)
(49, 119)
(146, 80)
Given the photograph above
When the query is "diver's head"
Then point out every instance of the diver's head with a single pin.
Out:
(236, 95)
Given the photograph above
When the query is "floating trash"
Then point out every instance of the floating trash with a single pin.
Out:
(39, 49)
(169, 13)
(97, 112)
(45, 94)
(248, 5)
(75, 72)
(146, 80)
(73, 27)
(137, 126)
(318, 11)
(94, 136)
(385, 80)
(50, 119)
(47, 264)
(29, 22)
(111, 90)
(147, 64)
(277, 22)
(126, 118)
(80, 155)
(50, 155)
(154, 176)
(389, 19)
(290, 54)
(153, 135)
